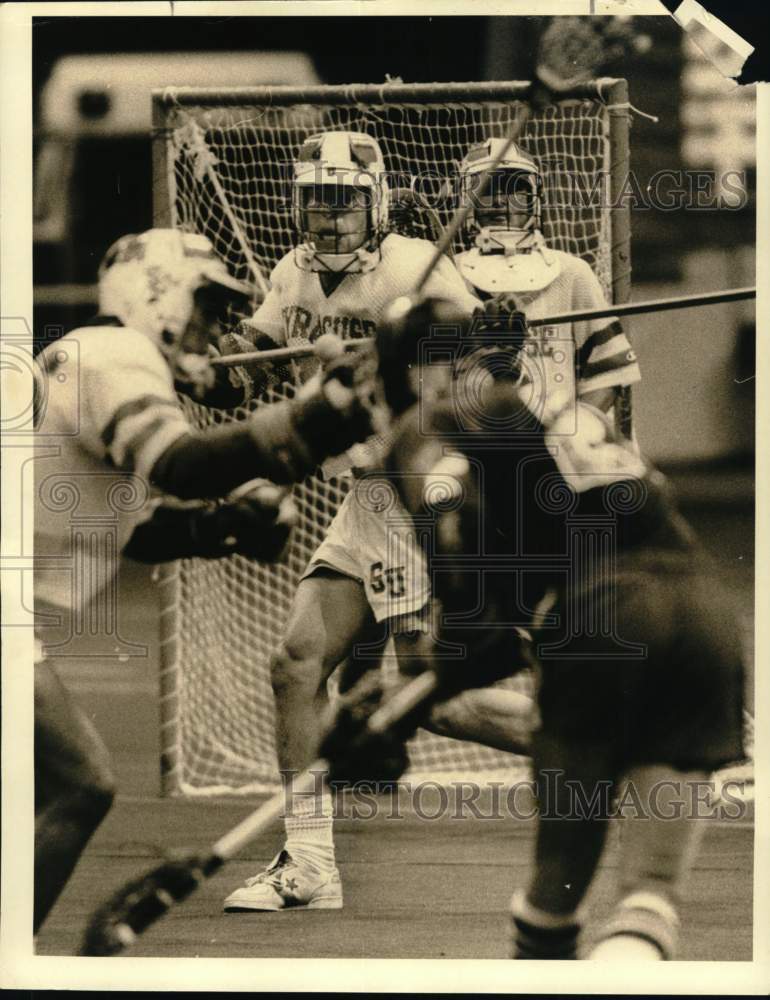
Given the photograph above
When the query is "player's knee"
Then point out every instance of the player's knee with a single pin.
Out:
(644, 926)
(440, 720)
(294, 668)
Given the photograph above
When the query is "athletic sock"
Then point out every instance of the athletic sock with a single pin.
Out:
(643, 927)
(541, 935)
(309, 835)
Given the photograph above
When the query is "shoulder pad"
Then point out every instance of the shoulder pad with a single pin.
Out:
(396, 243)
(521, 272)
(113, 347)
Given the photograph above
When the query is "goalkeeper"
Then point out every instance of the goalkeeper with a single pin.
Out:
(113, 438)
(652, 698)
(510, 258)
(510, 268)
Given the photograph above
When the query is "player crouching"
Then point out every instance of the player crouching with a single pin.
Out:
(114, 438)
(640, 681)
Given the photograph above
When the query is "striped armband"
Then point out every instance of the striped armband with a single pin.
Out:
(140, 431)
(606, 359)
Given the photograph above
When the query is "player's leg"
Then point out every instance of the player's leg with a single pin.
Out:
(495, 716)
(360, 573)
(690, 708)
(574, 790)
(330, 608)
(74, 787)
(328, 613)
(656, 854)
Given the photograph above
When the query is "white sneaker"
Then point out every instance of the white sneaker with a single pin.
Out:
(287, 885)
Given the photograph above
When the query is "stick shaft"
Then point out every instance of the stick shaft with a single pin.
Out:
(409, 697)
(627, 309)
(413, 694)
(462, 213)
(651, 305)
(259, 820)
(282, 353)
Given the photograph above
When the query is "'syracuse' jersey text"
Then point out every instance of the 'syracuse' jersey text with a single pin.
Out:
(297, 309)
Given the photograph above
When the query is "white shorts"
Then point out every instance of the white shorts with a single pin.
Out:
(372, 539)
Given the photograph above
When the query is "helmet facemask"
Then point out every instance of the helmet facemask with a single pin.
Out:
(505, 206)
(340, 203)
(216, 309)
(336, 218)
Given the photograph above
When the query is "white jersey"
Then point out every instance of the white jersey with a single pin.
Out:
(580, 357)
(107, 412)
(297, 309)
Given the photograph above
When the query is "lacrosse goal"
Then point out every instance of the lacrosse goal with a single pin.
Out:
(221, 167)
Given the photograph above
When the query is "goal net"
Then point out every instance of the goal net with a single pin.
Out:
(222, 167)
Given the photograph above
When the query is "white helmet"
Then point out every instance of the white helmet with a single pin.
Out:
(334, 173)
(150, 283)
(517, 171)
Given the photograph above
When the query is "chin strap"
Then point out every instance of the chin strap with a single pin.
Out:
(359, 261)
(494, 241)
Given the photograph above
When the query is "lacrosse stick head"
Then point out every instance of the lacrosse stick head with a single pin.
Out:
(139, 903)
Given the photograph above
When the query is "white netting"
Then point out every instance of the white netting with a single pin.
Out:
(227, 177)
(247, 153)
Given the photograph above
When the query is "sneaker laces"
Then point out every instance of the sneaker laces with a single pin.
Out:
(272, 874)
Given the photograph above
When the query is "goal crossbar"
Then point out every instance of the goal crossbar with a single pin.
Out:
(606, 89)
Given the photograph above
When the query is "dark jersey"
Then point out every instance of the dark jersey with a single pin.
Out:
(637, 649)
(577, 539)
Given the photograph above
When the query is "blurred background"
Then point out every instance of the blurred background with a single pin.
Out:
(694, 410)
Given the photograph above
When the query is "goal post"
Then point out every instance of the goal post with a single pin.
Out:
(221, 166)
(619, 123)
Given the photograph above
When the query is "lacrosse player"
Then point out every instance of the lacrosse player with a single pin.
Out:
(345, 271)
(112, 437)
(639, 675)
